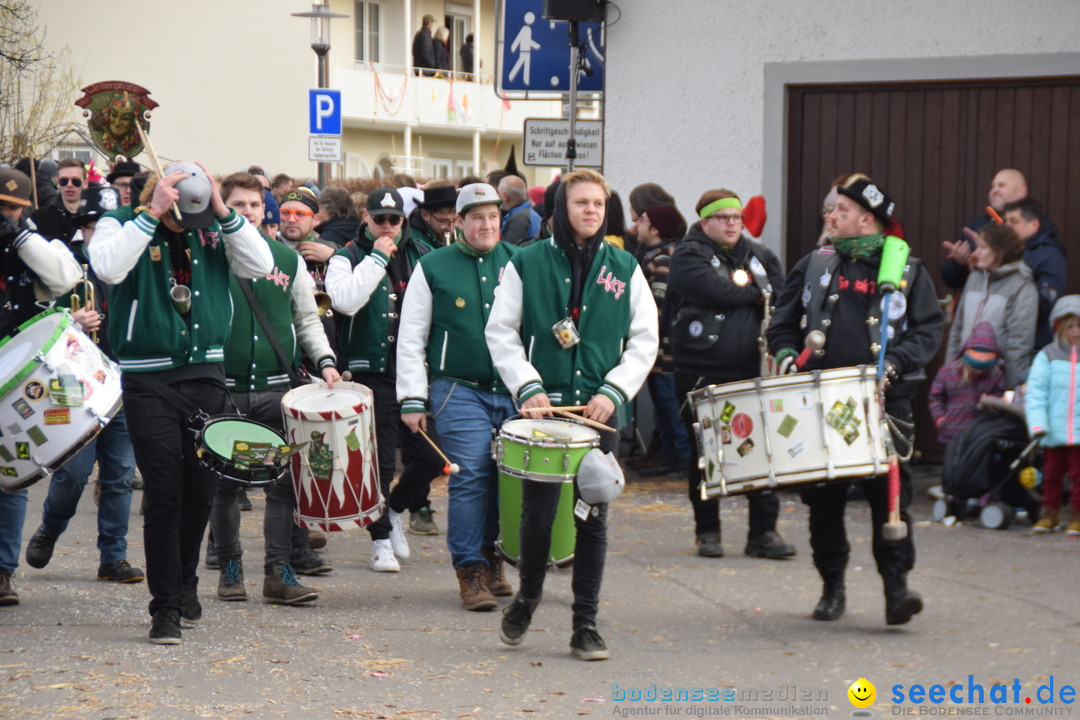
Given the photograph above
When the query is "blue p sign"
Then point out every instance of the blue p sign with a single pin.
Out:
(324, 112)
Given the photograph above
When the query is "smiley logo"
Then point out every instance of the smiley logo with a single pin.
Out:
(862, 693)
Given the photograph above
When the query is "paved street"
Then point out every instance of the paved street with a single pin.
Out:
(1001, 606)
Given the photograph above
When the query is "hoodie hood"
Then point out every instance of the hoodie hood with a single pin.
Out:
(1047, 236)
(563, 237)
(1067, 305)
(1018, 267)
(982, 338)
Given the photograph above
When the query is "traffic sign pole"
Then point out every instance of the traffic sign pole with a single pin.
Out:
(571, 142)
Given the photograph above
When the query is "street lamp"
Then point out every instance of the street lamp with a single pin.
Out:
(320, 42)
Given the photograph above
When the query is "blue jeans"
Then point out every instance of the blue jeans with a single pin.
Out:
(112, 451)
(465, 420)
(12, 515)
(674, 437)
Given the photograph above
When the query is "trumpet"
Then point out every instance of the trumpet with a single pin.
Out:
(88, 300)
(322, 304)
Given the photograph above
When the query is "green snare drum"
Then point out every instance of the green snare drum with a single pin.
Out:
(544, 450)
(241, 450)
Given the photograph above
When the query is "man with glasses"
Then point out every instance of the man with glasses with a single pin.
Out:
(57, 219)
(120, 178)
(716, 289)
(299, 215)
(366, 281)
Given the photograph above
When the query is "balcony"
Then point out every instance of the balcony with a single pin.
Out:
(387, 96)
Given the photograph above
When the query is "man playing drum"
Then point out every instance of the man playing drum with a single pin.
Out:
(27, 262)
(835, 290)
(168, 262)
(366, 281)
(257, 379)
(442, 322)
(573, 323)
(720, 281)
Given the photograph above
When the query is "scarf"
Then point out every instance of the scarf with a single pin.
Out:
(859, 246)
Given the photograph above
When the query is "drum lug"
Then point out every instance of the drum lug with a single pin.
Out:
(496, 450)
(40, 357)
(525, 458)
(566, 463)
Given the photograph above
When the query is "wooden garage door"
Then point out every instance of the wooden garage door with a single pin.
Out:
(934, 147)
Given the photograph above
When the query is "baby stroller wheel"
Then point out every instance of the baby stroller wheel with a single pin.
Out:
(996, 516)
(946, 507)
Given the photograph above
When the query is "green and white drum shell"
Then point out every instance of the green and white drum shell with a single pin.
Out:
(57, 391)
(788, 431)
(554, 458)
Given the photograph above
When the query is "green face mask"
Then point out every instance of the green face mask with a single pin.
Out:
(858, 246)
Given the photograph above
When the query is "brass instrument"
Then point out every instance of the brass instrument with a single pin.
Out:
(322, 303)
(88, 300)
(763, 344)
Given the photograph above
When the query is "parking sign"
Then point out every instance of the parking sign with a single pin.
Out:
(324, 112)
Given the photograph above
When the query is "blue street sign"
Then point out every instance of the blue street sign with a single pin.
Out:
(324, 112)
(533, 54)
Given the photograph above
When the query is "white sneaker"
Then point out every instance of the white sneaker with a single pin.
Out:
(382, 557)
(397, 535)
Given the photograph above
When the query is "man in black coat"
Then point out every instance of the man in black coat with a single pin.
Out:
(423, 48)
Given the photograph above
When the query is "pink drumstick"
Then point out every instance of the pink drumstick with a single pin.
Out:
(815, 340)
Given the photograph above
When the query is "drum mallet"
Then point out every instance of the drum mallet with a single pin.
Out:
(815, 340)
(894, 256)
(450, 468)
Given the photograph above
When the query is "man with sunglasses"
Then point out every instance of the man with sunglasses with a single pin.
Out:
(56, 221)
(366, 281)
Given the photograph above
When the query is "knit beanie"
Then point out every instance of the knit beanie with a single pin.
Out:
(667, 220)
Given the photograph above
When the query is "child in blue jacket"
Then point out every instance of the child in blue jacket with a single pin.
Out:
(1053, 413)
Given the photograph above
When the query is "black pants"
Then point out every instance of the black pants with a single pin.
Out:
(177, 490)
(539, 503)
(421, 464)
(764, 505)
(828, 537)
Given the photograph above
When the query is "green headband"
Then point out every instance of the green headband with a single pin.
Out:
(721, 204)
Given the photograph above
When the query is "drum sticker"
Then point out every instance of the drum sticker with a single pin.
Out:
(24, 410)
(842, 419)
(742, 425)
(351, 441)
(727, 413)
(58, 416)
(99, 375)
(73, 347)
(246, 454)
(787, 426)
(9, 471)
(22, 450)
(797, 449)
(746, 448)
(776, 405)
(34, 390)
(14, 429)
(6, 454)
(35, 434)
(66, 390)
(805, 401)
(320, 457)
(725, 434)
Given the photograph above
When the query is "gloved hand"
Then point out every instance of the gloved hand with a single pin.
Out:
(785, 361)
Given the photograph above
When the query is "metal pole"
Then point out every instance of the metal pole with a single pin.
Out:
(322, 61)
(571, 142)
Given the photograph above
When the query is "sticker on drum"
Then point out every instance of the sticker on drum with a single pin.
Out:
(727, 413)
(34, 390)
(842, 419)
(746, 448)
(776, 405)
(742, 425)
(725, 434)
(787, 426)
(797, 449)
(58, 416)
(24, 410)
(806, 401)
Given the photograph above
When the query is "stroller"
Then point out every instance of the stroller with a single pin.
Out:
(990, 468)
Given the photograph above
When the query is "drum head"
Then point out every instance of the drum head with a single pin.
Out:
(326, 399)
(17, 352)
(221, 436)
(560, 432)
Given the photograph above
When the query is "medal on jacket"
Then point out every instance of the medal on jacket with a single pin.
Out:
(740, 277)
(566, 333)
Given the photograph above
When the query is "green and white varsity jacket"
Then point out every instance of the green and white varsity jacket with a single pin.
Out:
(618, 327)
(442, 320)
(146, 332)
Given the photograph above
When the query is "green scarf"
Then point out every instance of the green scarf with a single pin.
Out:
(859, 246)
(469, 251)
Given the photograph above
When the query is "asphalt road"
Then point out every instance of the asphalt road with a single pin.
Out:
(1002, 606)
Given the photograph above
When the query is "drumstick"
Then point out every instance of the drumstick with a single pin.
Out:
(584, 420)
(561, 407)
(894, 528)
(154, 162)
(815, 340)
(451, 467)
(994, 215)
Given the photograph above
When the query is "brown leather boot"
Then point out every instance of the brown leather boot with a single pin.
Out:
(474, 596)
(494, 578)
(281, 586)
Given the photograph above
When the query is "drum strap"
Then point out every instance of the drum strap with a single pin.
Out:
(257, 311)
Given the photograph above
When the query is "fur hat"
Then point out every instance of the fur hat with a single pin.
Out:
(872, 197)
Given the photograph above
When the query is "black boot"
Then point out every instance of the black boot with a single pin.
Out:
(831, 605)
(900, 603)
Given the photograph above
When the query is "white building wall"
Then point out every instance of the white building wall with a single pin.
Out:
(694, 94)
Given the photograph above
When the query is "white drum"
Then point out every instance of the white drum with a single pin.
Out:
(57, 390)
(336, 472)
(789, 430)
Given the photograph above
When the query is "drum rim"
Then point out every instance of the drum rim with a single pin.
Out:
(343, 413)
(28, 369)
(538, 477)
(593, 441)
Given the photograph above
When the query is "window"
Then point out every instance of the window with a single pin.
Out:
(366, 19)
(437, 168)
(459, 22)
